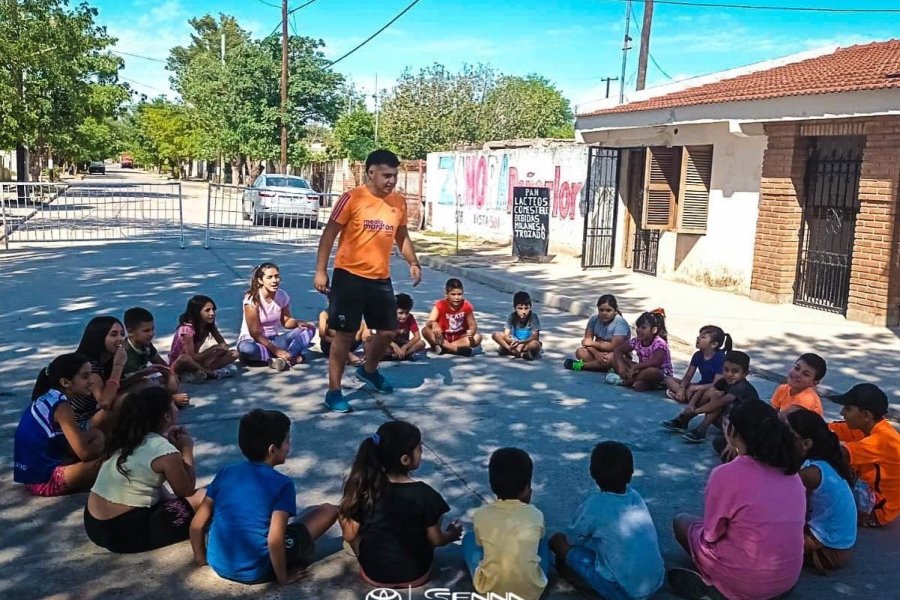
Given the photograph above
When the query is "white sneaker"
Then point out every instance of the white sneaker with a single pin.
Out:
(226, 371)
(279, 364)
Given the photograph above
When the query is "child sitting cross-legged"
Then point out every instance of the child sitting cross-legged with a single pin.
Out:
(522, 336)
(830, 531)
(604, 332)
(407, 341)
(451, 326)
(715, 401)
(800, 389)
(611, 544)
(712, 345)
(144, 364)
(392, 522)
(654, 359)
(187, 356)
(250, 510)
(506, 552)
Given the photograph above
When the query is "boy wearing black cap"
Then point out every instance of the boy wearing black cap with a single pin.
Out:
(872, 447)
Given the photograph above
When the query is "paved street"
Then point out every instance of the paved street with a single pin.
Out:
(465, 408)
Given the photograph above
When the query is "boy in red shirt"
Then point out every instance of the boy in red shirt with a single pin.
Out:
(451, 326)
(407, 340)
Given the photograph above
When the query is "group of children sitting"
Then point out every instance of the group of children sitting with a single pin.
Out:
(791, 487)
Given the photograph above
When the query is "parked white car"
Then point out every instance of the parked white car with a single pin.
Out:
(284, 197)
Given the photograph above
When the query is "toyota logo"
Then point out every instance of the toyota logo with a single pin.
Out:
(383, 594)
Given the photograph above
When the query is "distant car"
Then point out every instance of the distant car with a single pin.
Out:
(97, 166)
(285, 197)
(126, 161)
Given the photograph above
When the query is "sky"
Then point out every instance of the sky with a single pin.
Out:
(573, 43)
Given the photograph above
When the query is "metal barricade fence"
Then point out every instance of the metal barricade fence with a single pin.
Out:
(231, 215)
(37, 213)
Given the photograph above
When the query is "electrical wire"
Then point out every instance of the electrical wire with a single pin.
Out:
(290, 12)
(272, 4)
(818, 9)
(371, 37)
(121, 53)
(650, 54)
(145, 85)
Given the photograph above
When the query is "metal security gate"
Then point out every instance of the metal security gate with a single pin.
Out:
(646, 250)
(601, 200)
(829, 223)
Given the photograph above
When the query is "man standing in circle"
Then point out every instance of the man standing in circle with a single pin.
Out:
(368, 219)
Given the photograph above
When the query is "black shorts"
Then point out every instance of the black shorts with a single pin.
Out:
(142, 529)
(298, 550)
(354, 298)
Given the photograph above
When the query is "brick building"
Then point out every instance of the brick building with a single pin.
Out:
(779, 180)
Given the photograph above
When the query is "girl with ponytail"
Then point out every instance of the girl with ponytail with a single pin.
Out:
(52, 455)
(830, 531)
(749, 543)
(392, 522)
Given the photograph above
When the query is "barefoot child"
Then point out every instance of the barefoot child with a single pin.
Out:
(522, 336)
(715, 401)
(830, 531)
(506, 553)
(128, 510)
(451, 326)
(52, 455)
(391, 521)
(250, 510)
(611, 544)
(654, 360)
(195, 326)
(712, 345)
(269, 333)
(144, 364)
(102, 343)
(408, 340)
(604, 332)
(800, 389)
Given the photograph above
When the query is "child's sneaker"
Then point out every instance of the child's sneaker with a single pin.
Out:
(503, 351)
(575, 364)
(527, 355)
(678, 424)
(279, 364)
(226, 372)
(694, 437)
(464, 352)
(334, 400)
(613, 379)
(194, 377)
(374, 380)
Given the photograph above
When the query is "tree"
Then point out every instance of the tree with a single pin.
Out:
(354, 135)
(163, 133)
(525, 107)
(54, 61)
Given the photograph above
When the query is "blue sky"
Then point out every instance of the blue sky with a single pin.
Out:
(574, 43)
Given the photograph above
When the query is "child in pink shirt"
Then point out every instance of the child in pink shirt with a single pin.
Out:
(654, 363)
(749, 543)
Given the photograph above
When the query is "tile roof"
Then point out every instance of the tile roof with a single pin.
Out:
(864, 67)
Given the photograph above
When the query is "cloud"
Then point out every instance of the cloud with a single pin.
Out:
(167, 12)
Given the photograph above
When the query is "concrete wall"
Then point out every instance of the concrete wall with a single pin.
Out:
(723, 258)
(475, 187)
(7, 165)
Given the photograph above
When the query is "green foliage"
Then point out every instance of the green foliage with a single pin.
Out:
(163, 133)
(435, 109)
(354, 135)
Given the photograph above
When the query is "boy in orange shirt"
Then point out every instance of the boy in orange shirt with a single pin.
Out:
(800, 389)
(872, 447)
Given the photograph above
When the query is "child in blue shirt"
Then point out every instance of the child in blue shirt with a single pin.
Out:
(611, 544)
(252, 537)
(521, 338)
(712, 345)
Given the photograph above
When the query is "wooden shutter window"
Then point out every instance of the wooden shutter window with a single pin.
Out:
(660, 187)
(693, 202)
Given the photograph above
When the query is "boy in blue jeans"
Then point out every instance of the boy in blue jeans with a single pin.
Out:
(611, 544)
(506, 552)
(253, 537)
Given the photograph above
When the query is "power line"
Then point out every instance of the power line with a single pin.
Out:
(269, 4)
(371, 37)
(290, 12)
(159, 60)
(819, 9)
(144, 85)
(650, 54)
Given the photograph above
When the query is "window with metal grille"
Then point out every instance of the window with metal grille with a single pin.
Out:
(676, 188)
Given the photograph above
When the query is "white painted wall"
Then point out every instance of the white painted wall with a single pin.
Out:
(475, 187)
(723, 258)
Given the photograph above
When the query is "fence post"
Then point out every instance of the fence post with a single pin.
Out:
(208, 208)
(3, 207)
(180, 216)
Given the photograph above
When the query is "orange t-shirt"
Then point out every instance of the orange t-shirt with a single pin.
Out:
(808, 399)
(876, 458)
(370, 226)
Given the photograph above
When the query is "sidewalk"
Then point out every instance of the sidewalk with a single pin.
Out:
(773, 334)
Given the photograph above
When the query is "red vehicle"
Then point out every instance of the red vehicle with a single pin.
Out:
(127, 161)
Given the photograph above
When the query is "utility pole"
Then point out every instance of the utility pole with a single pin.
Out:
(375, 95)
(645, 46)
(19, 78)
(625, 48)
(284, 84)
(222, 49)
(607, 81)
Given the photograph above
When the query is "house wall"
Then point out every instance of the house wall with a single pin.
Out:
(475, 188)
(723, 258)
(7, 165)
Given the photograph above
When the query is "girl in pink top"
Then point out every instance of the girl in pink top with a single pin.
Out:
(654, 363)
(749, 543)
(195, 326)
(267, 312)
